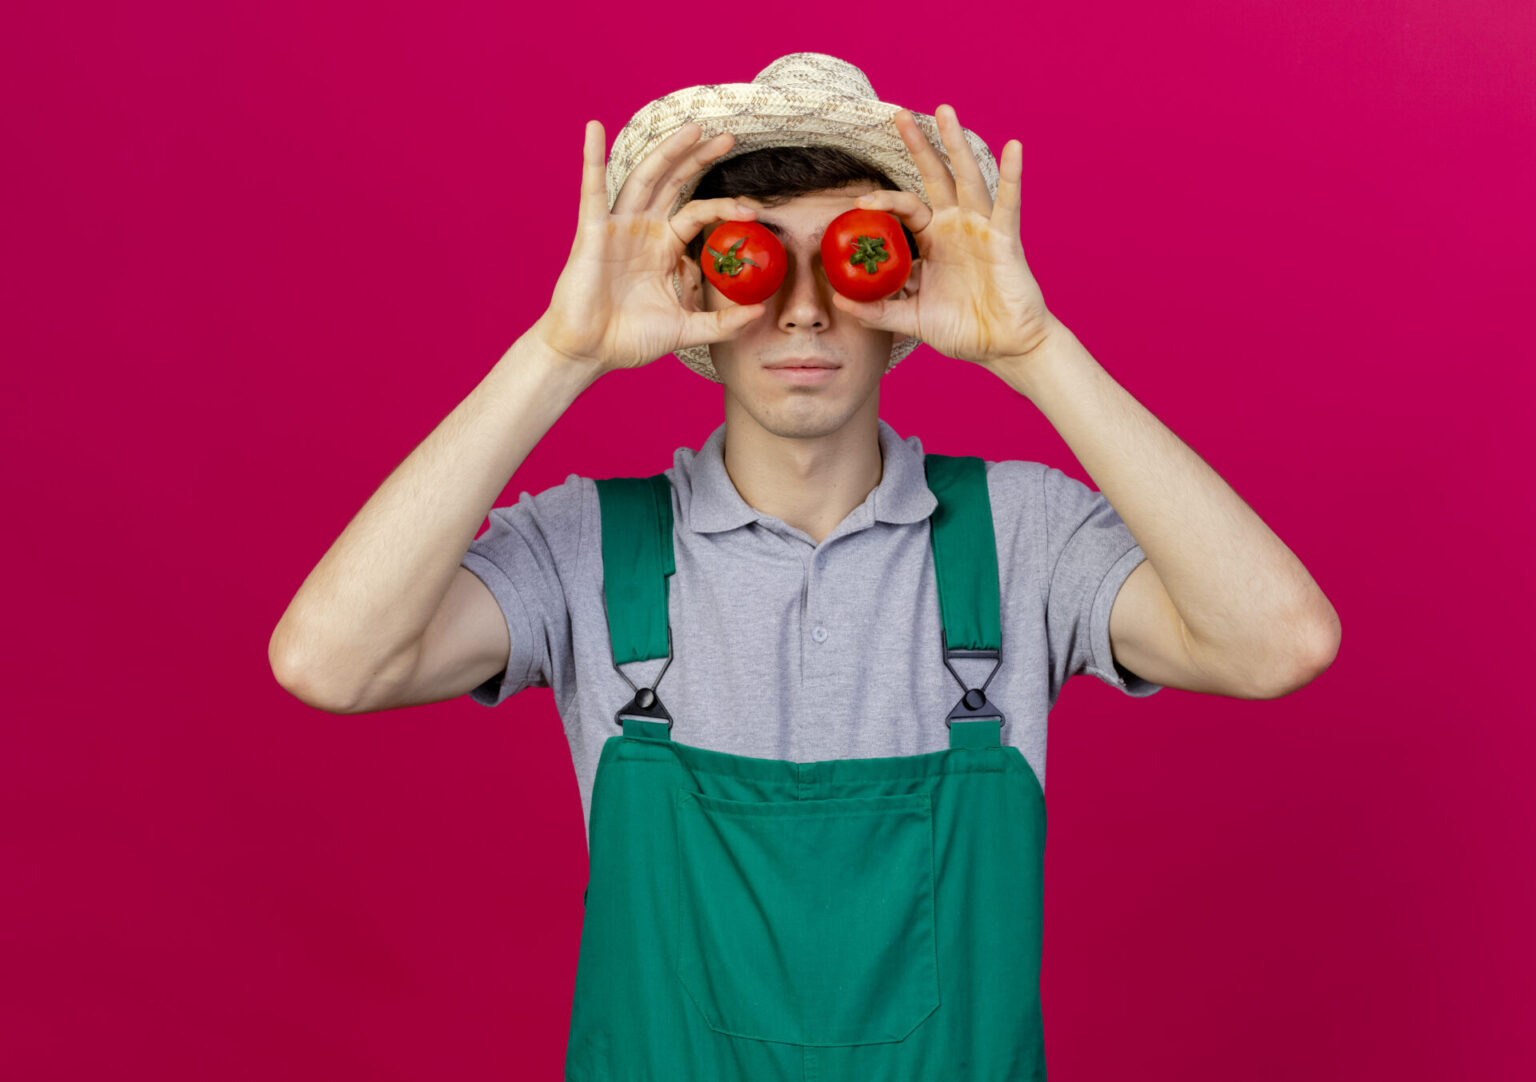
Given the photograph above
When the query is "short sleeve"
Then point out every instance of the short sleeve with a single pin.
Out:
(525, 557)
(1089, 554)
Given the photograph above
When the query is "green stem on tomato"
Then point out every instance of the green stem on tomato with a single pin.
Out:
(730, 263)
(869, 251)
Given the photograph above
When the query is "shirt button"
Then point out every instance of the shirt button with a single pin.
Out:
(820, 634)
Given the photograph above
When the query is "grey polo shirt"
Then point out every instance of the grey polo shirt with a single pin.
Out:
(786, 649)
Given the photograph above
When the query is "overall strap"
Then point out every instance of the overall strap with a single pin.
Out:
(636, 517)
(970, 598)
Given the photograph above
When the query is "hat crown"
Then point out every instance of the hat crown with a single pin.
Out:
(828, 74)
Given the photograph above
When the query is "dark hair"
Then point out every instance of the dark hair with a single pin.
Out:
(776, 175)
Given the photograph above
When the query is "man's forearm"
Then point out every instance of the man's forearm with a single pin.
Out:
(1238, 588)
(370, 598)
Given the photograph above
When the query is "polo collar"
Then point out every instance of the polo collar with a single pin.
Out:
(902, 496)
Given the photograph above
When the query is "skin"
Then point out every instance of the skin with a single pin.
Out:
(808, 455)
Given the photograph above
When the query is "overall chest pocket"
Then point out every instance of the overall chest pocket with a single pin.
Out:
(810, 921)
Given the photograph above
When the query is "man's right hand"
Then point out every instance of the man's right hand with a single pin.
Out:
(613, 306)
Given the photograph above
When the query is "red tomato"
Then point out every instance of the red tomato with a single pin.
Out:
(865, 254)
(744, 261)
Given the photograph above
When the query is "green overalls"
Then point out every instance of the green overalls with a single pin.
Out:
(846, 920)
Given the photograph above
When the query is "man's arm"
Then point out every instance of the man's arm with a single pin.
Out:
(1228, 608)
(353, 634)
(357, 620)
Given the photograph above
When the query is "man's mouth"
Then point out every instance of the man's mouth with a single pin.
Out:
(804, 374)
(802, 362)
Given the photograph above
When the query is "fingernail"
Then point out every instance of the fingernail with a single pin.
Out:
(743, 208)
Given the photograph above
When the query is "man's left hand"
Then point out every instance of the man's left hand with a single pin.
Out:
(972, 296)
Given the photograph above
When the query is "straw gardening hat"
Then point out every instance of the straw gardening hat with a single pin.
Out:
(803, 99)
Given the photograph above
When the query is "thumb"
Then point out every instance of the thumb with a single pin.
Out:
(890, 314)
(703, 328)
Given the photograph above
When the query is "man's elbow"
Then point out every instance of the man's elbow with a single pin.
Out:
(1316, 662)
(291, 679)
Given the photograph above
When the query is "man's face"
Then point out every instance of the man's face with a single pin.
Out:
(800, 322)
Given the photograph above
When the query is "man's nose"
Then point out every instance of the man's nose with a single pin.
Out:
(806, 294)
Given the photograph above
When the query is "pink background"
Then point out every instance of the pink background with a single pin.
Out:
(254, 257)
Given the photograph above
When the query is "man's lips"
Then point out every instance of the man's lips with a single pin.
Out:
(802, 362)
(808, 374)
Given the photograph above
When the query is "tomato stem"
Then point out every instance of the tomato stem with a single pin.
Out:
(730, 263)
(869, 251)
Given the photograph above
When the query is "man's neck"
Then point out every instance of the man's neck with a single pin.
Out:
(810, 483)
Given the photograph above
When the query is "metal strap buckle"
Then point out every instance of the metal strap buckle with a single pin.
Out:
(974, 703)
(646, 703)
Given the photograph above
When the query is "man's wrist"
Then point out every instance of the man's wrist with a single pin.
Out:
(533, 351)
(1026, 373)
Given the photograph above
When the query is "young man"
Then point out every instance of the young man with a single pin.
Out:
(803, 615)
(1163, 578)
